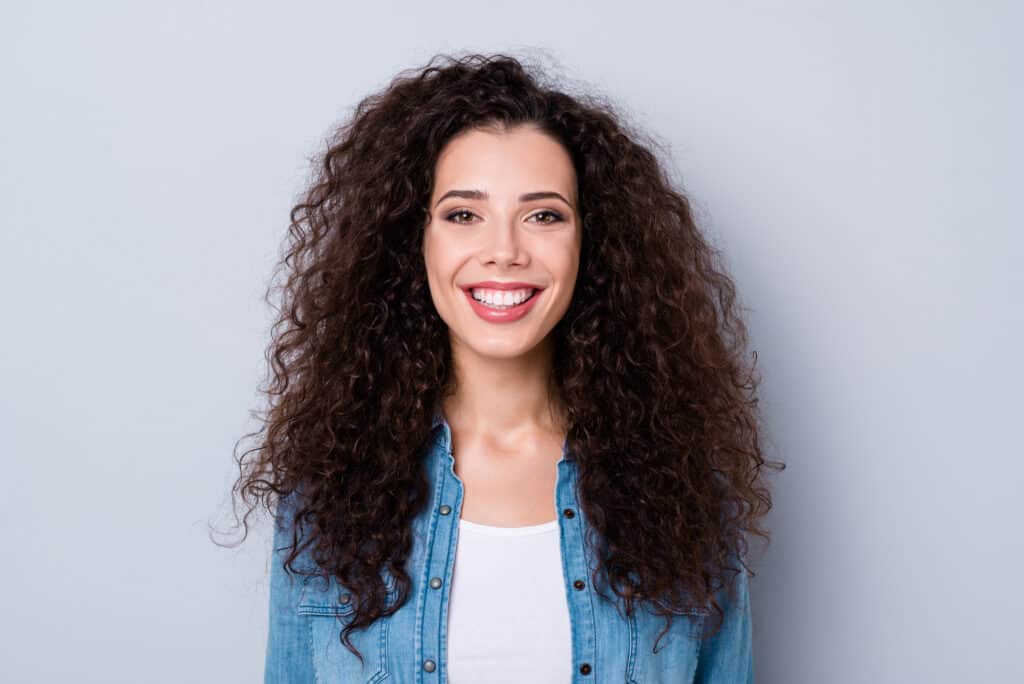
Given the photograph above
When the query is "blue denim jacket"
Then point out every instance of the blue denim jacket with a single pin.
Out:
(409, 646)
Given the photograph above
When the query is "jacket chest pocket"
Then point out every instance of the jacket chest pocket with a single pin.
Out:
(325, 616)
(677, 650)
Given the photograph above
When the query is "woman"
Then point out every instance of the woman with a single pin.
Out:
(511, 435)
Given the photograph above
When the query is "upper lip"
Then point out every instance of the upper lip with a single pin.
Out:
(495, 285)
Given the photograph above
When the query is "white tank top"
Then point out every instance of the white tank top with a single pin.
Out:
(508, 617)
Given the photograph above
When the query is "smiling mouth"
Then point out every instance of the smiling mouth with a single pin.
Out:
(500, 307)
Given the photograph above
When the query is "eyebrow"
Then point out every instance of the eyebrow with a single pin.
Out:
(481, 195)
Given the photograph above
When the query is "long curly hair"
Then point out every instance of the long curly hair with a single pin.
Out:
(650, 359)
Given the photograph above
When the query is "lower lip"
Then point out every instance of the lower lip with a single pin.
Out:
(509, 315)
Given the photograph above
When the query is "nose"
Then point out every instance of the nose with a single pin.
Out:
(504, 244)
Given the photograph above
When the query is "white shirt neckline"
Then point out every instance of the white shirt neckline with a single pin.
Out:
(495, 531)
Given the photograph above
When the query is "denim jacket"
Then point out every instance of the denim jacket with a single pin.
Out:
(408, 647)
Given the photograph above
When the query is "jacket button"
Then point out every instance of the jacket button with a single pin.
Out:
(579, 584)
(445, 509)
(429, 665)
(435, 582)
(345, 598)
(585, 668)
(568, 513)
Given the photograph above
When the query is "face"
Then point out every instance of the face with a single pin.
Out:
(503, 225)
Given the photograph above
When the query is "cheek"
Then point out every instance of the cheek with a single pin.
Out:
(442, 260)
(434, 255)
(570, 271)
(565, 263)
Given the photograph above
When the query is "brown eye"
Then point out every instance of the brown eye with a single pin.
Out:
(460, 212)
(555, 217)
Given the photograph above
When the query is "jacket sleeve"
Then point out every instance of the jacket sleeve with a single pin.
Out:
(288, 657)
(728, 656)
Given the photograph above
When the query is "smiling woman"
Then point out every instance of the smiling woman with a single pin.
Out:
(511, 432)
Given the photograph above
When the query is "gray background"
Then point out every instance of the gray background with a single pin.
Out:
(858, 162)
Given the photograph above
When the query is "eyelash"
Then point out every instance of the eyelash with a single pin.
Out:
(557, 217)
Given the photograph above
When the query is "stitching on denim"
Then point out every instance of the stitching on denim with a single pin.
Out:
(310, 607)
(312, 650)
(328, 611)
(631, 659)
(581, 534)
(382, 646)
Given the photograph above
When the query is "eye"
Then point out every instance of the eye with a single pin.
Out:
(556, 217)
(459, 212)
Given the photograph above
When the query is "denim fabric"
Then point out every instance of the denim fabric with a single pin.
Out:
(409, 647)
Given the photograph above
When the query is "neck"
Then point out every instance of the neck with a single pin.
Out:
(503, 396)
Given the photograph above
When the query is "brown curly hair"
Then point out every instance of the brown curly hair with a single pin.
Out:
(649, 359)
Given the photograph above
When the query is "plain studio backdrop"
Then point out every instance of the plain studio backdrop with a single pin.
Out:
(858, 163)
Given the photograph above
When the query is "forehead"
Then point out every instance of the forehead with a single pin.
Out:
(522, 159)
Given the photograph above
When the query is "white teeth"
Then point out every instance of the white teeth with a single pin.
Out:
(501, 298)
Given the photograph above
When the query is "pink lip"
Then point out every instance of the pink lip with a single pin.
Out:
(509, 315)
(497, 285)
